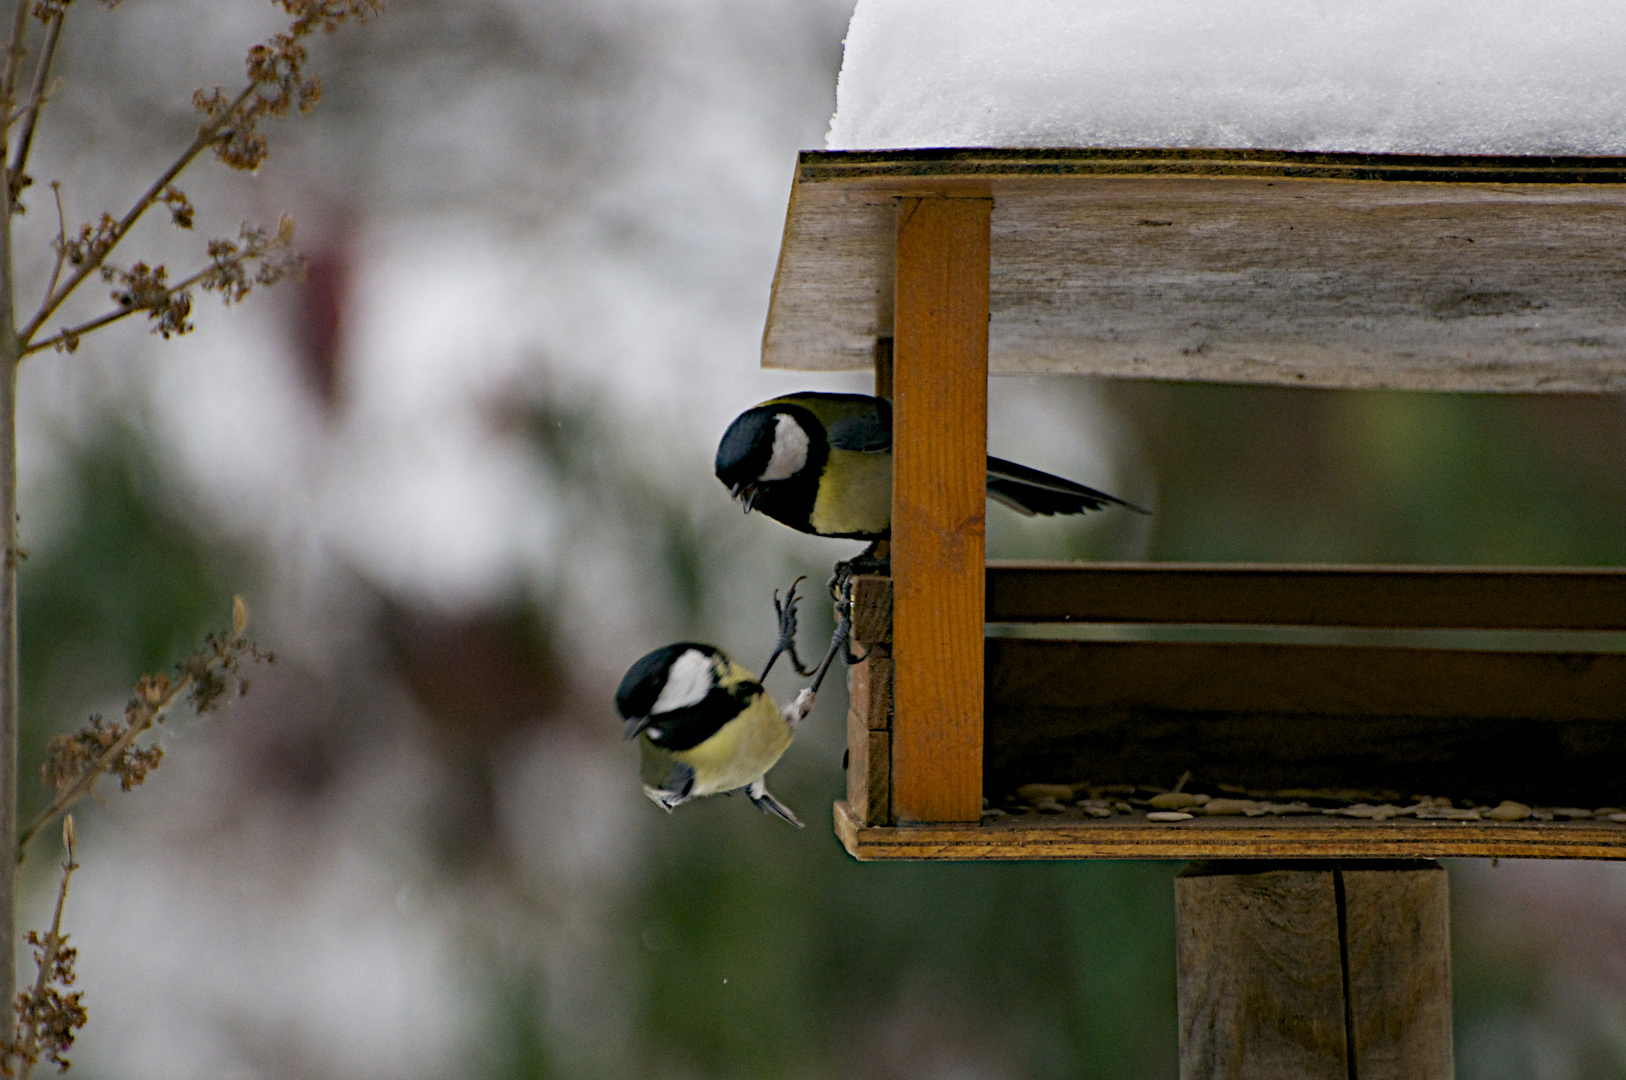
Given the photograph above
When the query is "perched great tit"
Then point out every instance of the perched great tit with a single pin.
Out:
(704, 725)
(822, 464)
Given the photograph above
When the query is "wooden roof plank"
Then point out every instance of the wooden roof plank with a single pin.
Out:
(1330, 270)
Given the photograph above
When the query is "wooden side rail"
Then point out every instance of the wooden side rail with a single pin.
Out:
(1543, 728)
(1399, 597)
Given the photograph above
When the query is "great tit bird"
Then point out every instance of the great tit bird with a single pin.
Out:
(822, 464)
(704, 725)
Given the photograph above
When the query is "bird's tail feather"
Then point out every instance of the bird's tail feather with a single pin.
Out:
(1029, 491)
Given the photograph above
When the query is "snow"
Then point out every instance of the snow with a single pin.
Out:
(1379, 76)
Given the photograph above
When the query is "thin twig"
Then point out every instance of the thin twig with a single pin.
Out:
(22, 110)
(15, 51)
(96, 769)
(207, 136)
(72, 333)
(61, 237)
(28, 1052)
(25, 141)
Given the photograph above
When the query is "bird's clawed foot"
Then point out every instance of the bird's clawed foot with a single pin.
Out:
(786, 642)
(666, 800)
(679, 787)
(875, 559)
(757, 792)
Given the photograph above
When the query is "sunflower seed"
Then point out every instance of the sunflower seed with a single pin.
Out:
(1177, 800)
(1035, 792)
(1508, 810)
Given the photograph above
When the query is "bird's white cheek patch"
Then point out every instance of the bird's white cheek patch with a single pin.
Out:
(688, 681)
(789, 450)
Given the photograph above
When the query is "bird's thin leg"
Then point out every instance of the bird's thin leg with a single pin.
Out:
(798, 709)
(757, 791)
(840, 640)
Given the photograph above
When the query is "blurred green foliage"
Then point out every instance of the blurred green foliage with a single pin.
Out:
(1262, 474)
(773, 954)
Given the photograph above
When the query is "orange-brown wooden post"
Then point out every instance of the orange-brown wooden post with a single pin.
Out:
(939, 478)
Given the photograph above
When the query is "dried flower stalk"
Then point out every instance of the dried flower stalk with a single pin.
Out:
(75, 761)
(49, 1015)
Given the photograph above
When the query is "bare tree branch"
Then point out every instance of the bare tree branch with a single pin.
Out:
(16, 49)
(42, 74)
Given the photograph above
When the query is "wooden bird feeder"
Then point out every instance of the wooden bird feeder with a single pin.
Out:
(1406, 272)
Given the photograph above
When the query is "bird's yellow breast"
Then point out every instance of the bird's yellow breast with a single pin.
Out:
(741, 750)
(855, 493)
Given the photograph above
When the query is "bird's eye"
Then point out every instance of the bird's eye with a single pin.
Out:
(655, 734)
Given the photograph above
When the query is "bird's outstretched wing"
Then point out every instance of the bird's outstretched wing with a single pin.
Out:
(1029, 491)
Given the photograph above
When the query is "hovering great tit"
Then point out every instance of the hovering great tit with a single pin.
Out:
(704, 725)
(822, 464)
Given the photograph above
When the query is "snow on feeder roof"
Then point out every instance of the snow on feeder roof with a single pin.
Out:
(1368, 76)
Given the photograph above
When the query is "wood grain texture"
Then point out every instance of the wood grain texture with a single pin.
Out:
(1260, 977)
(1041, 837)
(1458, 597)
(1339, 970)
(872, 610)
(870, 689)
(1243, 266)
(1398, 937)
(869, 736)
(1543, 728)
(940, 423)
(869, 772)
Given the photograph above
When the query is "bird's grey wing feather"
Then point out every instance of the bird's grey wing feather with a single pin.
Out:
(1005, 500)
(864, 429)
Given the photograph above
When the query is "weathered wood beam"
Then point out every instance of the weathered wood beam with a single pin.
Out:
(1314, 971)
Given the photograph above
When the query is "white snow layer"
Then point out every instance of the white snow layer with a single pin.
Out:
(1399, 76)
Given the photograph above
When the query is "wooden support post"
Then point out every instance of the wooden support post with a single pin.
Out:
(939, 470)
(1314, 971)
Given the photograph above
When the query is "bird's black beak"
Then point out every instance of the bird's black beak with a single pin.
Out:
(633, 726)
(747, 494)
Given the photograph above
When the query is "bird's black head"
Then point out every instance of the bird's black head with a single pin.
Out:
(765, 445)
(680, 694)
(646, 682)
